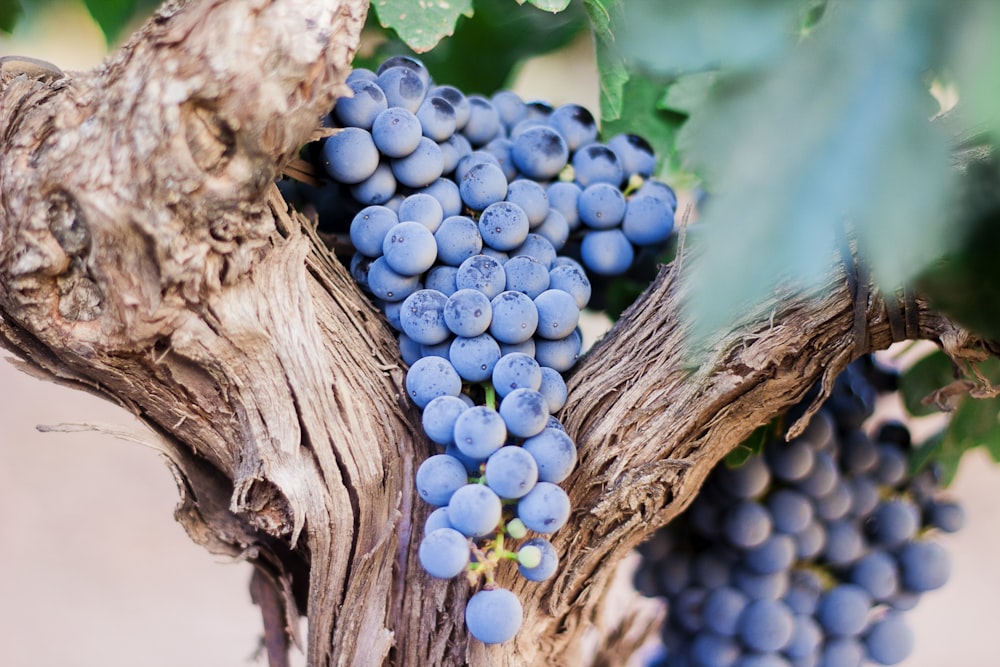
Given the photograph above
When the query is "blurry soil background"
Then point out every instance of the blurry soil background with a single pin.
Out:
(95, 572)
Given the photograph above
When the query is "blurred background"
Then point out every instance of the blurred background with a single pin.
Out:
(94, 570)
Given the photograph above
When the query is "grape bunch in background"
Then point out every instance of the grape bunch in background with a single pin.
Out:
(463, 211)
(806, 555)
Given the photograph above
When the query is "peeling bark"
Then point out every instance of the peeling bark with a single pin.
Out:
(146, 257)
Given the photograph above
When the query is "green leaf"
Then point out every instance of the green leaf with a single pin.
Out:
(922, 378)
(754, 443)
(507, 33)
(976, 65)
(548, 5)
(10, 13)
(604, 15)
(689, 93)
(838, 131)
(421, 25)
(676, 36)
(111, 15)
(973, 424)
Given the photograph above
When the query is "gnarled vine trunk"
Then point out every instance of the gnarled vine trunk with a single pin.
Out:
(146, 256)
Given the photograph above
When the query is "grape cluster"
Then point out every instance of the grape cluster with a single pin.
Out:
(466, 206)
(808, 553)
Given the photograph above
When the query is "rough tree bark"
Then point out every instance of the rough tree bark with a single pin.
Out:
(145, 256)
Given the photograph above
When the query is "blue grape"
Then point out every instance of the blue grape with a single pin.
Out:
(350, 155)
(945, 515)
(475, 357)
(835, 504)
(503, 225)
(538, 248)
(439, 416)
(775, 554)
(548, 565)
(524, 411)
(474, 510)
(791, 461)
(647, 221)
(575, 123)
(484, 121)
(457, 240)
(791, 511)
(404, 87)
(635, 153)
(396, 132)
(596, 163)
(713, 650)
(446, 192)
(437, 519)
(924, 566)
(822, 478)
(431, 377)
(558, 313)
(511, 472)
(525, 347)
(409, 248)
(607, 252)
(844, 542)
(893, 522)
(444, 553)
(360, 265)
(563, 197)
(493, 616)
(421, 167)
(378, 188)
(858, 454)
(560, 354)
(766, 625)
(747, 524)
(807, 637)
(602, 206)
(545, 509)
(389, 285)
(437, 117)
(473, 158)
(479, 431)
(890, 640)
(864, 496)
(453, 149)
(723, 608)
(483, 273)
(369, 227)
(572, 280)
(892, 464)
(359, 110)
(515, 317)
(457, 100)
(761, 586)
(531, 197)
(467, 313)
(746, 481)
(877, 573)
(442, 349)
(422, 317)
(540, 153)
(514, 371)
(553, 389)
(410, 350)
(554, 228)
(499, 148)
(554, 452)
(482, 185)
(422, 208)
(408, 62)
(842, 652)
(361, 74)
(843, 610)
(509, 106)
(810, 541)
(526, 275)
(438, 477)
(472, 464)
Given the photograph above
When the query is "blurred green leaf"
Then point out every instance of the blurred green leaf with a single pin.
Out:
(690, 92)
(976, 65)
(421, 25)
(604, 15)
(10, 13)
(923, 378)
(672, 37)
(838, 131)
(486, 48)
(111, 15)
(548, 5)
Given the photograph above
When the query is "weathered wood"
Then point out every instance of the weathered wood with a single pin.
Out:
(146, 257)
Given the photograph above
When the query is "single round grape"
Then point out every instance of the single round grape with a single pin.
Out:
(564, 197)
(531, 197)
(842, 652)
(836, 504)
(389, 285)
(503, 225)
(438, 477)
(766, 625)
(474, 510)
(561, 354)
(437, 117)
(554, 229)
(877, 573)
(575, 123)
(422, 317)
(843, 610)
(807, 638)
(723, 608)
(444, 553)
(483, 273)
(747, 481)
(596, 163)
(511, 472)
(421, 167)
(554, 452)
(893, 522)
(467, 313)
(350, 155)
(475, 357)
(431, 377)
(409, 248)
(945, 515)
(573, 281)
(891, 469)
(369, 227)
(479, 431)
(510, 106)
(747, 524)
(548, 564)
(635, 153)
(844, 542)
(791, 511)
(822, 478)
(439, 416)
(514, 371)
(526, 275)
(457, 240)
(404, 87)
(361, 108)
(524, 411)
(423, 208)
(810, 541)
(647, 221)
(540, 153)
(482, 185)
(791, 461)
(890, 640)
(775, 554)
(545, 509)
(602, 206)
(408, 62)
(484, 121)
(493, 616)
(607, 252)
(553, 389)
(865, 495)
(515, 317)
(378, 188)
(538, 248)
(924, 566)
(437, 519)
(396, 132)
(660, 190)
(858, 454)
(558, 313)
